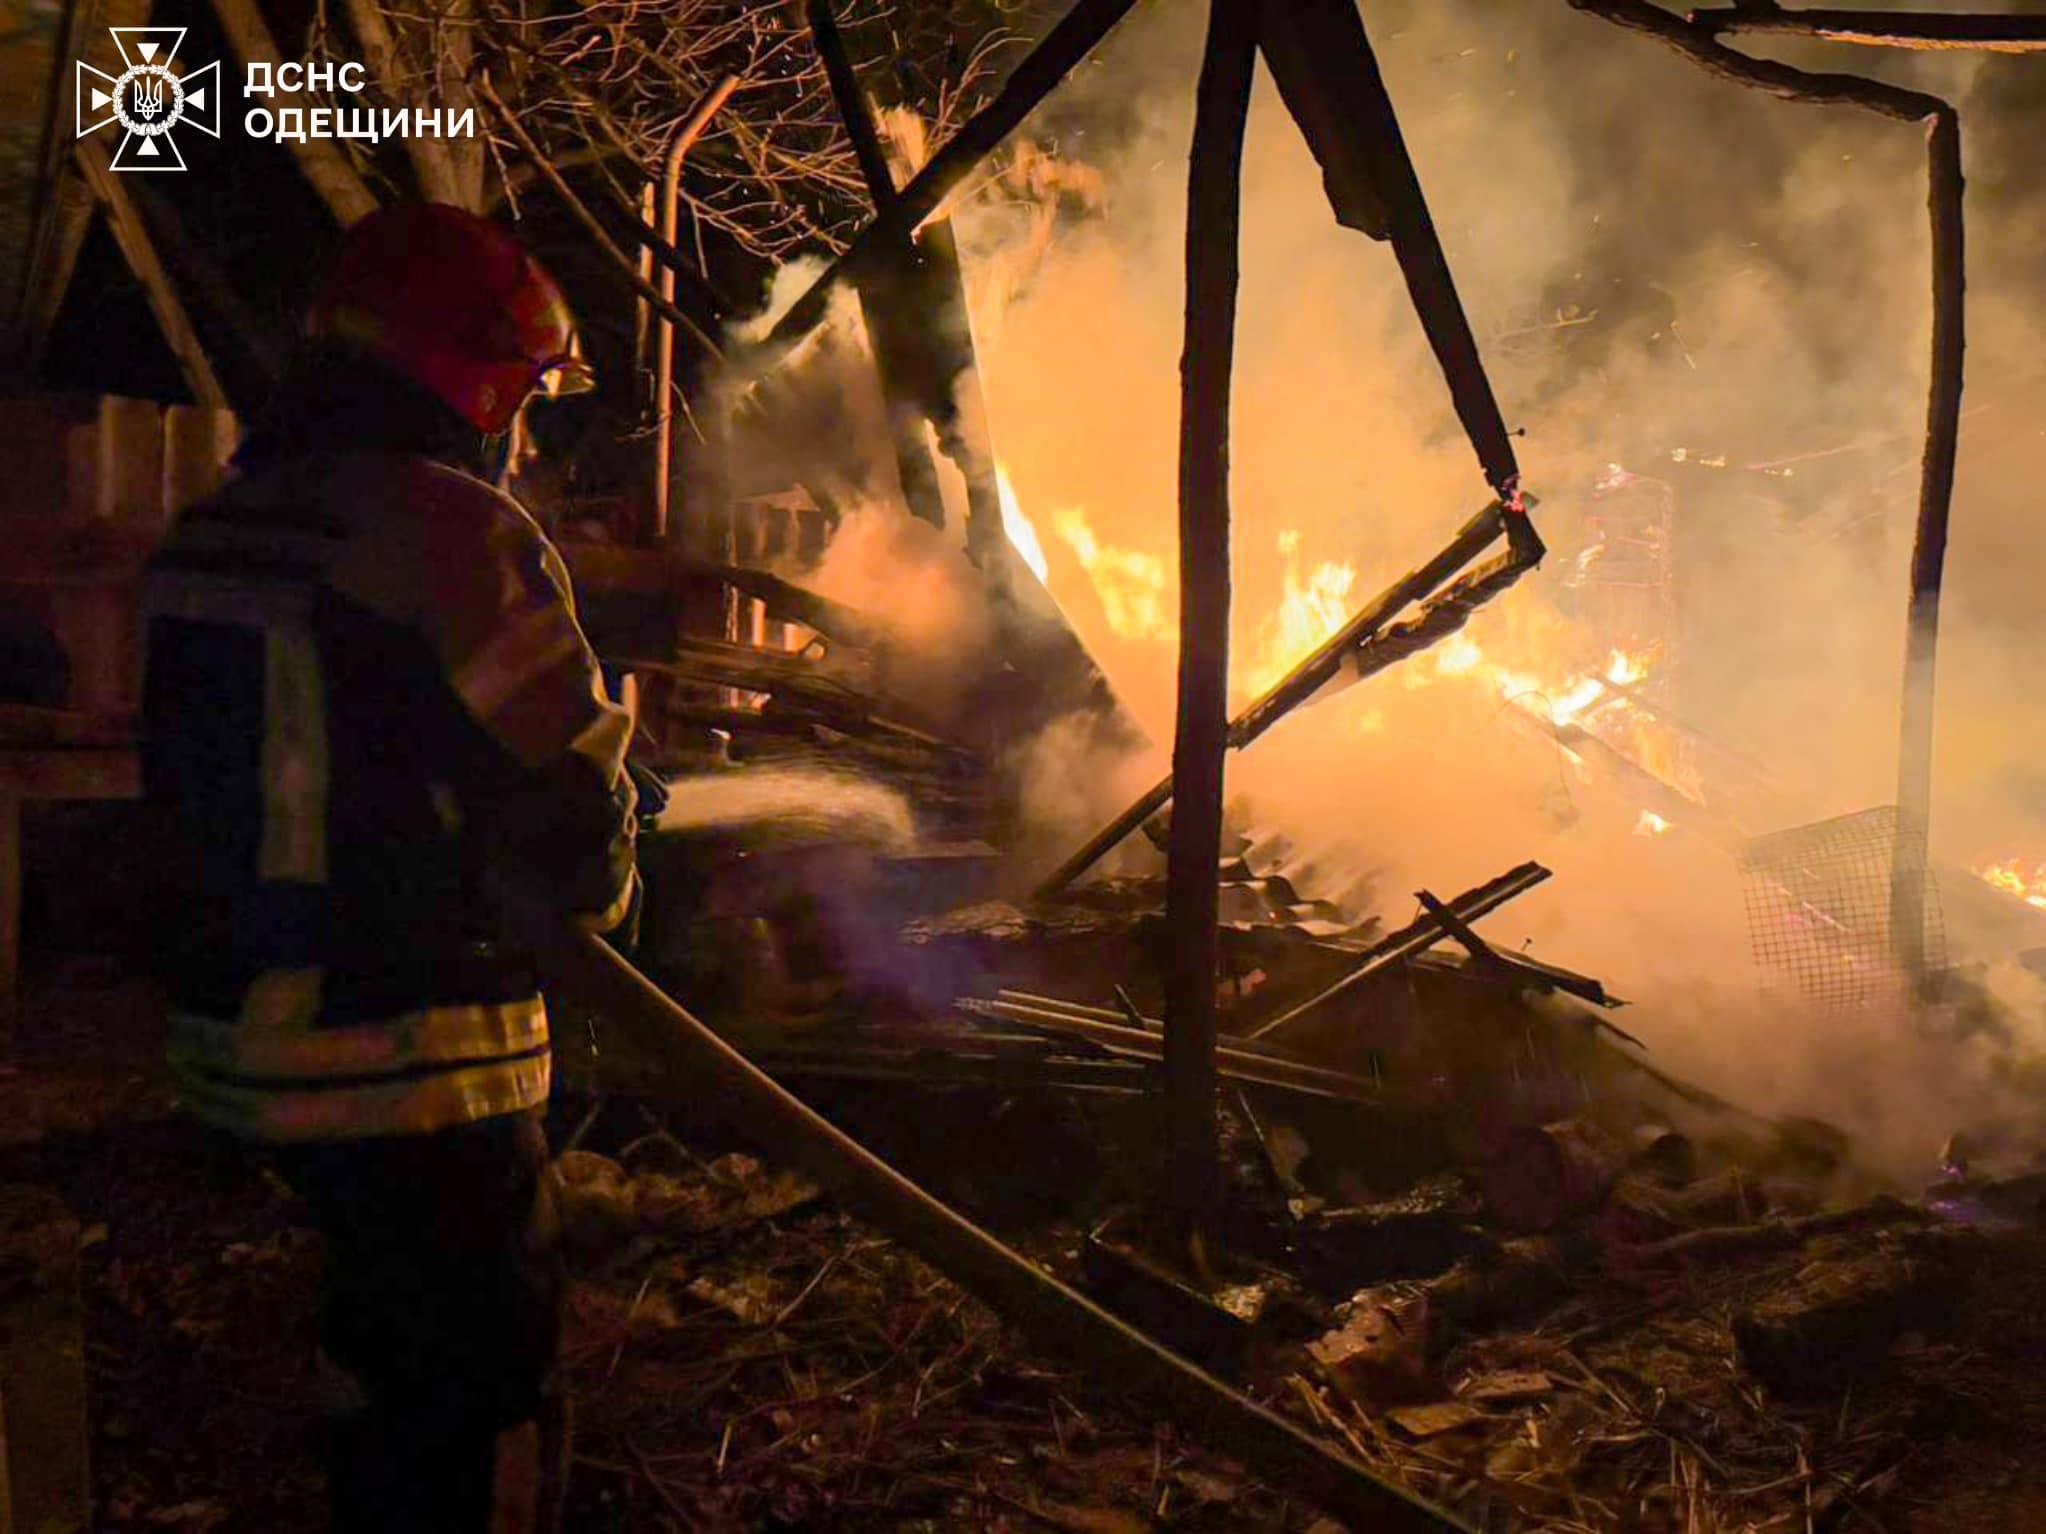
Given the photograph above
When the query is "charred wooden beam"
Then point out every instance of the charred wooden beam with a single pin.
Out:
(1314, 672)
(915, 307)
(1416, 937)
(718, 1082)
(1143, 1042)
(1882, 29)
(1448, 610)
(1929, 549)
(1321, 59)
(1070, 41)
(889, 292)
(1697, 42)
(1201, 734)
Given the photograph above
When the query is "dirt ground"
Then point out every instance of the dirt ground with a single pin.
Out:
(759, 1361)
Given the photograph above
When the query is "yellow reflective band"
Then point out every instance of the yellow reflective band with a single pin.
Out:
(515, 657)
(433, 1036)
(417, 1105)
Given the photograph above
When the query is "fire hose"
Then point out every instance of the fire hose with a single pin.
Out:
(718, 1081)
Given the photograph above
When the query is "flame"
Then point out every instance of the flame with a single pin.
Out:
(1022, 533)
(2010, 877)
(1310, 609)
(1650, 824)
(1130, 583)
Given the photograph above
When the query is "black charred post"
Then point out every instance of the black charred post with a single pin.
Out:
(890, 289)
(1201, 740)
(1929, 547)
(1322, 61)
(1697, 40)
(915, 307)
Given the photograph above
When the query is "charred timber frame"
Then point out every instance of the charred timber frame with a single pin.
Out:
(1201, 732)
(1698, 42)
(1321, 60)
(915, 306)
(1415, 938)
(1064, 46)
(1883, 29)
(721, 1084)
(1351, 647)
(888, 296)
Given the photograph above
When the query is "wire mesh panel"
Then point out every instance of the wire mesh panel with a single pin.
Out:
(1819, 906)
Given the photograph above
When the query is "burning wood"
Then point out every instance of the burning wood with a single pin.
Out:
(1319, 669)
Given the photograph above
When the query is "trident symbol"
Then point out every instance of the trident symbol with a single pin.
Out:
(146, 96)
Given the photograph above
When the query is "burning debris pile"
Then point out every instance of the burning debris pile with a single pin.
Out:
(1601, 1323)
(1433, 1239)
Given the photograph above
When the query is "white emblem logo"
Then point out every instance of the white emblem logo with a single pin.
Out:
(148, 98)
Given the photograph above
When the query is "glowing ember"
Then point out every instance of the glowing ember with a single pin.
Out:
(1131, 584)
(1022, 535)
(1650, 824)
(1625, 670)
(2011, 877)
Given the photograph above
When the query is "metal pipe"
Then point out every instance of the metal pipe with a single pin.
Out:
(664, 342)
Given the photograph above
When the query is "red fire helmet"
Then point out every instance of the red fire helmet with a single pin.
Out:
(454, 303)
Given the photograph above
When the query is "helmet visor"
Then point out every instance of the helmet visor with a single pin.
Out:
(567, 375)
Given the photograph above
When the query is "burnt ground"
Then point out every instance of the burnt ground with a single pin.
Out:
(753, 1359)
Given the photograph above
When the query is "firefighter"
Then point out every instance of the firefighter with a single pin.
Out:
(369, 710)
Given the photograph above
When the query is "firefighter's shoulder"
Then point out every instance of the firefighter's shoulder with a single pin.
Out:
(436, 533)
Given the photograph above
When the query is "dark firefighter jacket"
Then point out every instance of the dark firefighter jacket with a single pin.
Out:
(367, 701)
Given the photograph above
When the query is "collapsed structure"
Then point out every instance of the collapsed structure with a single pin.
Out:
(1412, 1209)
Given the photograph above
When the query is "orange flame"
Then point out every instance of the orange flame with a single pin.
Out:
(2010, 877)
(1130, 583)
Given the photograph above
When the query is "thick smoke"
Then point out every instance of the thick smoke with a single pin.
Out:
(1720, 294)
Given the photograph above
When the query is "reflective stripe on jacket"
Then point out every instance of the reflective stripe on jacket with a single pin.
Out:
(368, 699)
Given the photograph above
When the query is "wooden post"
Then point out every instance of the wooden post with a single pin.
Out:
(915, 308)
(1697, 40)
(1929, 547)
(1214, 188)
